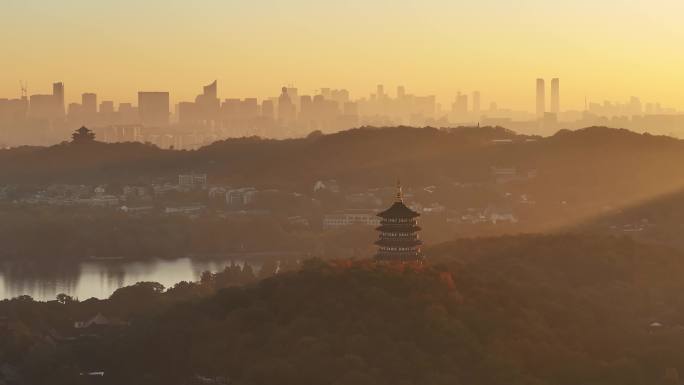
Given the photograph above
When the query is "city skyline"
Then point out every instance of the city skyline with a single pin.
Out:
(604, 50)
(550, 96)
(48, 118)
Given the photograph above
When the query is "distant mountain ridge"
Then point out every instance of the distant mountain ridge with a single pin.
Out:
(344, 155)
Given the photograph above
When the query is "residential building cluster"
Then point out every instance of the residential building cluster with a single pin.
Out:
(327, 205)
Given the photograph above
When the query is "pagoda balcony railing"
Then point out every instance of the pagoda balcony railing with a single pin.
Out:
(398, 236)
(401, 221)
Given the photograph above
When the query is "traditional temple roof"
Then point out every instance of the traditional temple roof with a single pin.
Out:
(398, 210)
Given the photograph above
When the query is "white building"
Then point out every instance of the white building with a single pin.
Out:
(241, 196)
(192, 180)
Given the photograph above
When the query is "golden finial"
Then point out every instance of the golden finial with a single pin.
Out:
(400, 194)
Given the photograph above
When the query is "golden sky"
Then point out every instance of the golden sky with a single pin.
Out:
(601, 49)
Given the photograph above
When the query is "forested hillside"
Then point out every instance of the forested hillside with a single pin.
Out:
(563, 309)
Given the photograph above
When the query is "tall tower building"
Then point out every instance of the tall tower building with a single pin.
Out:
(207, 105)
(476, 104)
(211, 91)
(153, 108)
(286, 109)
(89, 104)
(460, 107)
(380, 92)
(541, 97)
(58, 95)
(555, 95)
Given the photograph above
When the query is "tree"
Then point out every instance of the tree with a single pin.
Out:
(64, 298)
(83, 135)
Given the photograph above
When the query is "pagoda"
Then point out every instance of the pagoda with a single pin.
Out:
(399, 233)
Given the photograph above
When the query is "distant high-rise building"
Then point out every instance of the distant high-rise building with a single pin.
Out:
(107, 107)
(351, 109)
(635, 106)
(476, 104)
(58, 94)
(267, 110)
(211, 90)
(306, 107)
(293, 93)
(13, 110)
(206, 107)
(326, 92)
(380, 94)
(89, 104)
(460, 107)
(153, 108)
(401, 92)
(555, 95)
(340, 96)
(249, 108)
(74, 111)
(286, 109)
(541, 99)
(48, 107)
(43, 107)
(188, 112)
(128, 114)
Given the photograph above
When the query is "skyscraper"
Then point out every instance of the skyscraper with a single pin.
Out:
(89, 104)
(286, 109)
(541, 97)
(107, 107)
(207, 105)
(267, 110)
(555, 96)
(460, 107)
(476, 104)
(153, 108)
(211, 90)
(58, 94)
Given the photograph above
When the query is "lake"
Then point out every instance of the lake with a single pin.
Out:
(98, 278)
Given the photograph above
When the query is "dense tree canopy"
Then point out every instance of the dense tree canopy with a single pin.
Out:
(563, 309)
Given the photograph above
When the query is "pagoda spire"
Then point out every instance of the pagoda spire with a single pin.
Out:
(400, 194)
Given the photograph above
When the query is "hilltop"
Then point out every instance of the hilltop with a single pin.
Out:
(364, 156)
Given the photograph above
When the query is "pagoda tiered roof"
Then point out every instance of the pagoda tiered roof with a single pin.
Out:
(398, 210)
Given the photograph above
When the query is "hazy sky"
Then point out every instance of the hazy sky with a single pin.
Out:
(602, 49)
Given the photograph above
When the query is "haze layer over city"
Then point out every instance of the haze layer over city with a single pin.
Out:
(233, 192)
